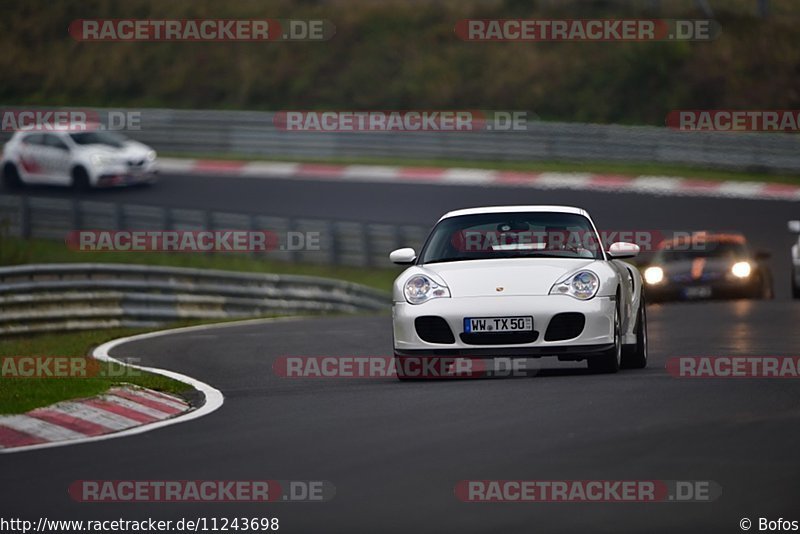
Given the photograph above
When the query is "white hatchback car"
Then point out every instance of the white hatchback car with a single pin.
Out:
(81, 159)
(517, 281)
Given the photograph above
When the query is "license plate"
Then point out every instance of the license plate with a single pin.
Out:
(699, 292)
(498, 324)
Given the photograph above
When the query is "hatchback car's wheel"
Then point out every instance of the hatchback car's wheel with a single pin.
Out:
(795, 290)
(11, 179)
(80, 179)
(610, 360)
(635, 356)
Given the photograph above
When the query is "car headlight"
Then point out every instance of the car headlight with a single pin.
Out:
(151, 156)
(741, 269)
(102, 159)
(653, 275)
(582, 285)
(420, 288)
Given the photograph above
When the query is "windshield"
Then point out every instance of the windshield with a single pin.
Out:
(98, 138)
(731, 251)
(512, 235)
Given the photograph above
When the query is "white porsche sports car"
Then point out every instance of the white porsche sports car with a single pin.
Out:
(517, 281)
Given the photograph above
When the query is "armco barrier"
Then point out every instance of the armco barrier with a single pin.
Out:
(82, 296)
(340, 242)
(254, 133)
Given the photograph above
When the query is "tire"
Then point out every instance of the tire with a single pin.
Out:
(11, 179)
(80, 179)
(795, 290)
(609, 361)
(635, 356)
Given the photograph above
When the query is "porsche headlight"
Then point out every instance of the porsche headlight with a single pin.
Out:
(582, 285)
(653, 275)
(741, 269)
(420, 288)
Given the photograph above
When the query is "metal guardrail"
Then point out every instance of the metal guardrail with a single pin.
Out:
(340, 242)
(254, 133)
(82, 296)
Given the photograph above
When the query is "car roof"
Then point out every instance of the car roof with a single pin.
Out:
(515, 209)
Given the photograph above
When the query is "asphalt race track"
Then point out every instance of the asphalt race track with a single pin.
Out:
(395, 451)
(762, 221)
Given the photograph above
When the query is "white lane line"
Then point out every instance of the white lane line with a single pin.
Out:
(213, 397)
(260, 169)
(469, 176)
(40, 429)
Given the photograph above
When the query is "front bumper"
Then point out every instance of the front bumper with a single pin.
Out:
(720, 289)
(597, 334)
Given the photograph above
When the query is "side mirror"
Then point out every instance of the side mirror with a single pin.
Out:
(403, 256)
(621, 250)
(763, 255)
(794, 226)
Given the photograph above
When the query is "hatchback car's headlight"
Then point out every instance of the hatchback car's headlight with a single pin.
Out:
(151, 155)
(419, 288)
(582, 285)
(103, 159)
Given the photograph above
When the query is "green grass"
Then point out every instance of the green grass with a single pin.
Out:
(19, 395)
(601, 167)
(14, 251)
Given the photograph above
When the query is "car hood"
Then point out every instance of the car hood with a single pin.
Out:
(131, 149)
(518, 276)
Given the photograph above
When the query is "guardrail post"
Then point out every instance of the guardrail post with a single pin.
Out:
(77, 215)
(25, 217)
(334, 242)
(365, 236)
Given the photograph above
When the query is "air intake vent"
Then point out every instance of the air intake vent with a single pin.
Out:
(565, 326)
(433, 329)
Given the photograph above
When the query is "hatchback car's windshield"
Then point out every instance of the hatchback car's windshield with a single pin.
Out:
(98, 138)
(512, 235)
(710, 249)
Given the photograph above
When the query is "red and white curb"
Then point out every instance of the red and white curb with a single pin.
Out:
(654, 185)
(144, 402)
(120, 408)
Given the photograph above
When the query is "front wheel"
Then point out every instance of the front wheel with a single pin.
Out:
(635, 356)
(11, 179)
(795, 290)
(80, 179)
(609, 361)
